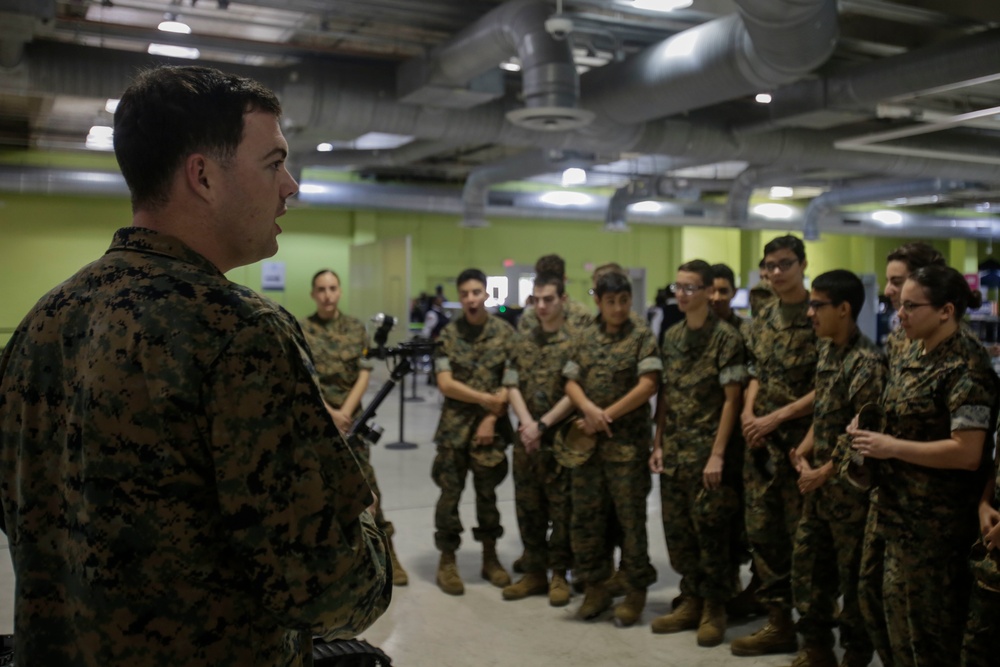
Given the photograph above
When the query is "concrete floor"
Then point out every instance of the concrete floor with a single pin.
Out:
(426, 628)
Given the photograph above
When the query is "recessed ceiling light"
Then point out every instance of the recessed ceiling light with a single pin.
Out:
(774, 211)
(565, 198)
(324, 147)
(661, 5)
(172, 51)
(111, 105)
(175, 27)
(888, 217)
(512, 65)
(763, 98)
(647, 206)
(781, 192)
(574, 176)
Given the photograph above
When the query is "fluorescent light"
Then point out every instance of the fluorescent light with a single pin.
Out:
(888, 217)
(381, 141)
(175, 27)
(311, 189)
(101, 138)
(781, 192)
(566, 198)
(324, 147)
(111, 105)
(574, 176)
(774, 211)
(681, 45)
(647, 206)
(661, 5)
(763, 98)
(171, 51)
(511, 65)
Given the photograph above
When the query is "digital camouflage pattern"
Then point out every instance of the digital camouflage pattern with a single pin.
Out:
(541, 485)
(175, 493)
(477, 357)
(926, 517)
(827, 553)
(781, 355)
(577, 316)
(338, 348)
(616, 479)
(698, 522)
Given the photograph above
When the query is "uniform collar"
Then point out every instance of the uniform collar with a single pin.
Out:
(148, 241)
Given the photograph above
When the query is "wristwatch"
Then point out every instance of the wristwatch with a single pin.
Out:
(542, 427)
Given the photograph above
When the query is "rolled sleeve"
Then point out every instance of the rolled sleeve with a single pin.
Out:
(733, 374)
(647, 365)
(510, 377)
(971, 418)
(442, 365)
(571, 371)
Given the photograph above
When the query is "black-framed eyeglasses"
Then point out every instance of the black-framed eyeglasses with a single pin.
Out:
(816, 305)
(784, 265)
(687, 289)
(910, 306)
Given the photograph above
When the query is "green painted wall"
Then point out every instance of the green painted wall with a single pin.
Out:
(47, 238)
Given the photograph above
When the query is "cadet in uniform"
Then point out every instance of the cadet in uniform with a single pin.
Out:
(174, 490)
(614, 370)
(338, 343)
(576, 314)
(781, 357)
(940, 404)
(899, 264)
(541, 486)
(697, 410)
(850, 373)
(981, 644)
(473, 431)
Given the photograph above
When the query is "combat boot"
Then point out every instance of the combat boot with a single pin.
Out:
(616, 584)
(746, 604)
(777, 636)
(712, 627)
(448, 578)
(493, 571)
(399, 576)
(628, 611)
(533, 583)
(596, 599)
(815, 656)
(687, 616)
(518, 565)
(559, 589)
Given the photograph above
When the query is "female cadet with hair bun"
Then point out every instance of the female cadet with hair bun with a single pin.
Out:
(940, 403)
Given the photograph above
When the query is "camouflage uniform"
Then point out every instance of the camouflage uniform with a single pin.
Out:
(827, 552)
(981, 644)
(698, 522)
(577, 317)
(174, 491)
(615, 480)
(475, 356)
(338, 347)
(781, 355)
(923, 520)
(541, 485)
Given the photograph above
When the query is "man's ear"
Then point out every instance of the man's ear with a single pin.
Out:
(198, 175)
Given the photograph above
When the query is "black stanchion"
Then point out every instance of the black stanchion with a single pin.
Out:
(412, 398)
(402, 443)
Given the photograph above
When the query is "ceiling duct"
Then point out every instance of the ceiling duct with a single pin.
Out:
(465, 71)
(768, 43)
(738, 201)
(518, 167)
(638, 189)
(873, 193)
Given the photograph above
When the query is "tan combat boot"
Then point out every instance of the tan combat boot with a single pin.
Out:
(493, 571)
(685, 617)
(630, 609)
(596, 599)
(616, 584)
(559, 589)
(712, 627)
(777, 636)
(533, 583)
(448, 578)
(399, 576)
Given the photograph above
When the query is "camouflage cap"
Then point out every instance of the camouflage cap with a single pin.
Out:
(573, 447)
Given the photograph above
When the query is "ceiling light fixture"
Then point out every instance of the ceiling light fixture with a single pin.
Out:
(512, 65)
(111, 105)
(564, 198)
(573, 176)
(661, 5)
(888, 217)
(174, 26)
(171, 51)
(763, 98)
(774, 211)
(648, 206)
(324, 147)
(101, 138)
(781, 192)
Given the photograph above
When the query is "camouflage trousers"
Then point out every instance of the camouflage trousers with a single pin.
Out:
(602, 489)
(981, 644)
(825, 563)
(773, 508)
(915, 585)
(363, 455)
(698, 525)
(451, 466)
(542, 499)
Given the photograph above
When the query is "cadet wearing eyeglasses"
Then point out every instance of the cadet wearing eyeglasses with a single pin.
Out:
(781, 359)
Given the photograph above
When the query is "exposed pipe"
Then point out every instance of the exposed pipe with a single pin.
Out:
(872, 193)
(770, 42)
(738, 201)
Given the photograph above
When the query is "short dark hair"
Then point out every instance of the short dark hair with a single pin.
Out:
(724, 272)
(916, 255)
(841, 285)
(604, 269)
(321, 272)
(701, 267)
(543, 279)
(551, 264)
(612, 282)
(788, 241)
(168, 113)
(943, 284)
(471, 274)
